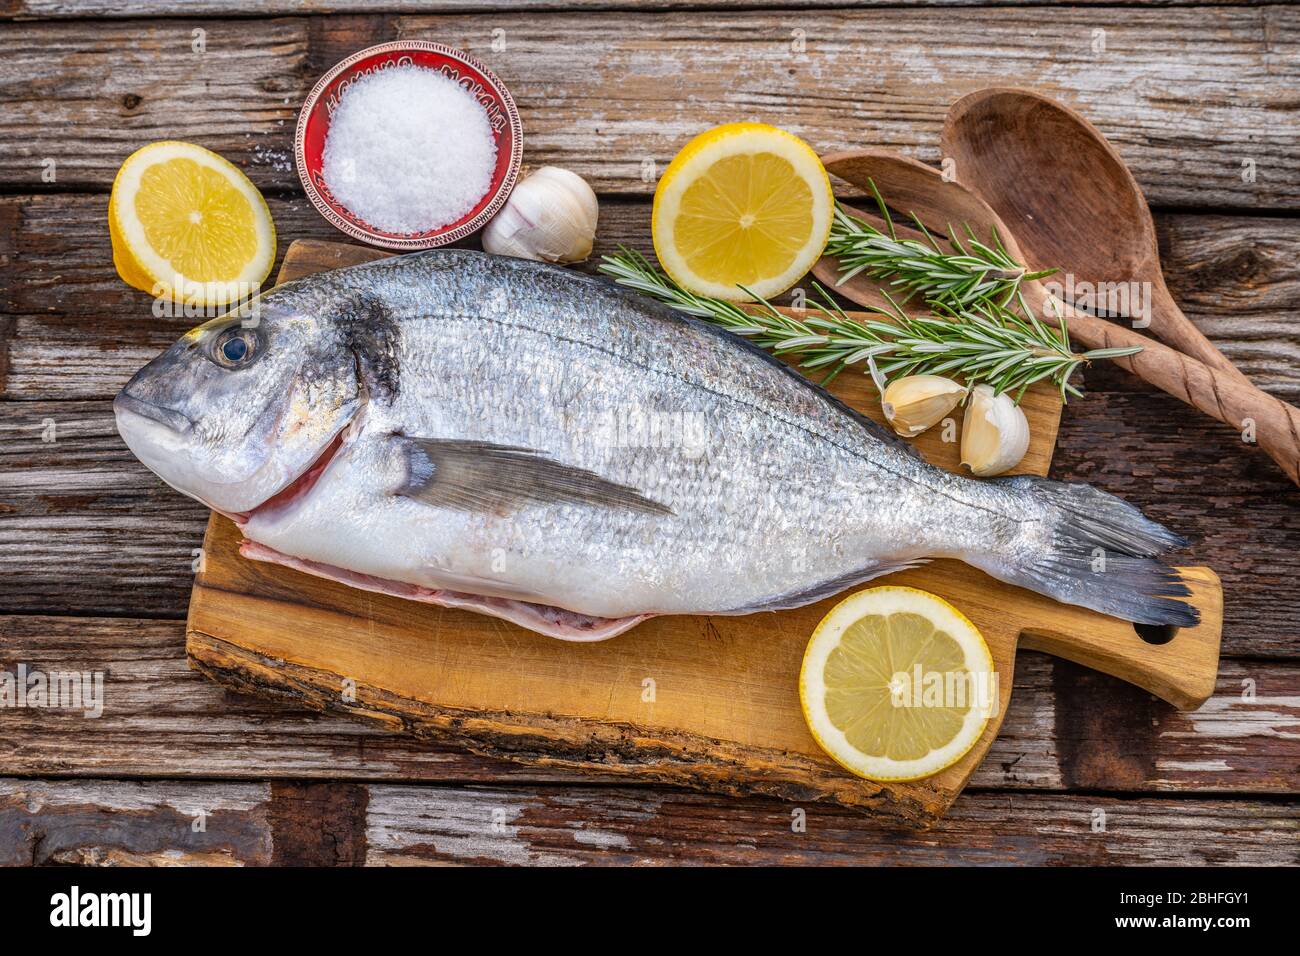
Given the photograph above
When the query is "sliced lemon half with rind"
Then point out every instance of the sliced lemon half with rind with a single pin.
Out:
(897, 684)
(187, 225)
(745, 204)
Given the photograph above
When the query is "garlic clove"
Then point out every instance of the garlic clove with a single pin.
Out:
(994, 433)
(550, 217)
(915, 402)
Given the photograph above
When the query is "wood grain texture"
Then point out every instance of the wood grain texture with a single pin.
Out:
(1185, 95)
(79, 332)
(56, 9)
(1065, 728)
(1238, 281)
(112, 823)
(1239, 510)
(162, 719)
(573, 826)
(81, 523)
(151, 823)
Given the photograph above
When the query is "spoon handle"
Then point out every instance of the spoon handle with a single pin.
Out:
(1175, 329)
(1273, 424)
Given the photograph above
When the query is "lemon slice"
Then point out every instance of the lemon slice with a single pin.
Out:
(897, 684)
(742, 204)
(188, 226)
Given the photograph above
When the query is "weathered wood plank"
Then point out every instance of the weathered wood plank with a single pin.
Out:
(1105, 738)
(1239, 281)
(154, 823)
(79, 332)
(112, 823)
(1199, 477)
(1187, 94)
(161, 719)
(112, 88)
(557, 827)
(1066, 728)
(58, 9)
(81, 523)
(116, 823)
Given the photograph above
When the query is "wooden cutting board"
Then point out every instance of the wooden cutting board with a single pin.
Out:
(706, 702)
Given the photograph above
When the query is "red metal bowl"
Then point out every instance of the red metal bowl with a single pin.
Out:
(314, 119)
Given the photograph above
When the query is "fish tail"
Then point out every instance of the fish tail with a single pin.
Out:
(1092, 549)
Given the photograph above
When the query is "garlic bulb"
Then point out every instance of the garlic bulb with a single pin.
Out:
(915, 402)
(994, 433)
(550, 217)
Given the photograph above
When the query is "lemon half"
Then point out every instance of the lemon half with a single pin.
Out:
(743, 204)
(897, 684)
(187, 225)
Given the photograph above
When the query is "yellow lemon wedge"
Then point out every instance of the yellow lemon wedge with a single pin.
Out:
(743, 204)
(188, 226)
(897, 684)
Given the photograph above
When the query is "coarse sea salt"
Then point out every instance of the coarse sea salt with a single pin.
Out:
(408, 150)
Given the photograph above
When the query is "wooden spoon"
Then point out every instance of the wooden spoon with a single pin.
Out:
(1075, 206)
(913, 187)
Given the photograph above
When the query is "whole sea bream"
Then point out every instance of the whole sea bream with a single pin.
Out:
(552, 449)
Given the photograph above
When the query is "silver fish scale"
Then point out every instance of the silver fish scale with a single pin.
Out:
(775, 490)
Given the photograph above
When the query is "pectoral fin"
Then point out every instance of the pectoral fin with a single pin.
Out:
(482, 477)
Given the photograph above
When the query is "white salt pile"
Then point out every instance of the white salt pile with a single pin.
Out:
(408, 150)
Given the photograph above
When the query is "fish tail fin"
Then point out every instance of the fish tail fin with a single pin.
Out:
(1092, 549)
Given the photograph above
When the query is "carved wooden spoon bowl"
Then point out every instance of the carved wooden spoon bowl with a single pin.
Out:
(1073, 202)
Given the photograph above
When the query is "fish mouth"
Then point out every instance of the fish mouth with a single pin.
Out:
(126, 402)
(300, 487)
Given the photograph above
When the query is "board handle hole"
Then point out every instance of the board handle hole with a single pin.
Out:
(1156, 633)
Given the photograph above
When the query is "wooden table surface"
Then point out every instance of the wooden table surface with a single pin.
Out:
(95, 553)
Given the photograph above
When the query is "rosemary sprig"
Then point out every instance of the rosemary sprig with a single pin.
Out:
(987, 343)
(975, 274)
(984, 343)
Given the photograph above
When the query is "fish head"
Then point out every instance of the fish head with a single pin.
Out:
(241, 407)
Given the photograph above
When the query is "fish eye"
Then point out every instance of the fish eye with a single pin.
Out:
(234, 347)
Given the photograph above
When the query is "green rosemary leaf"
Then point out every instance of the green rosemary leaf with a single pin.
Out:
(971, 330)
(1112, 353)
